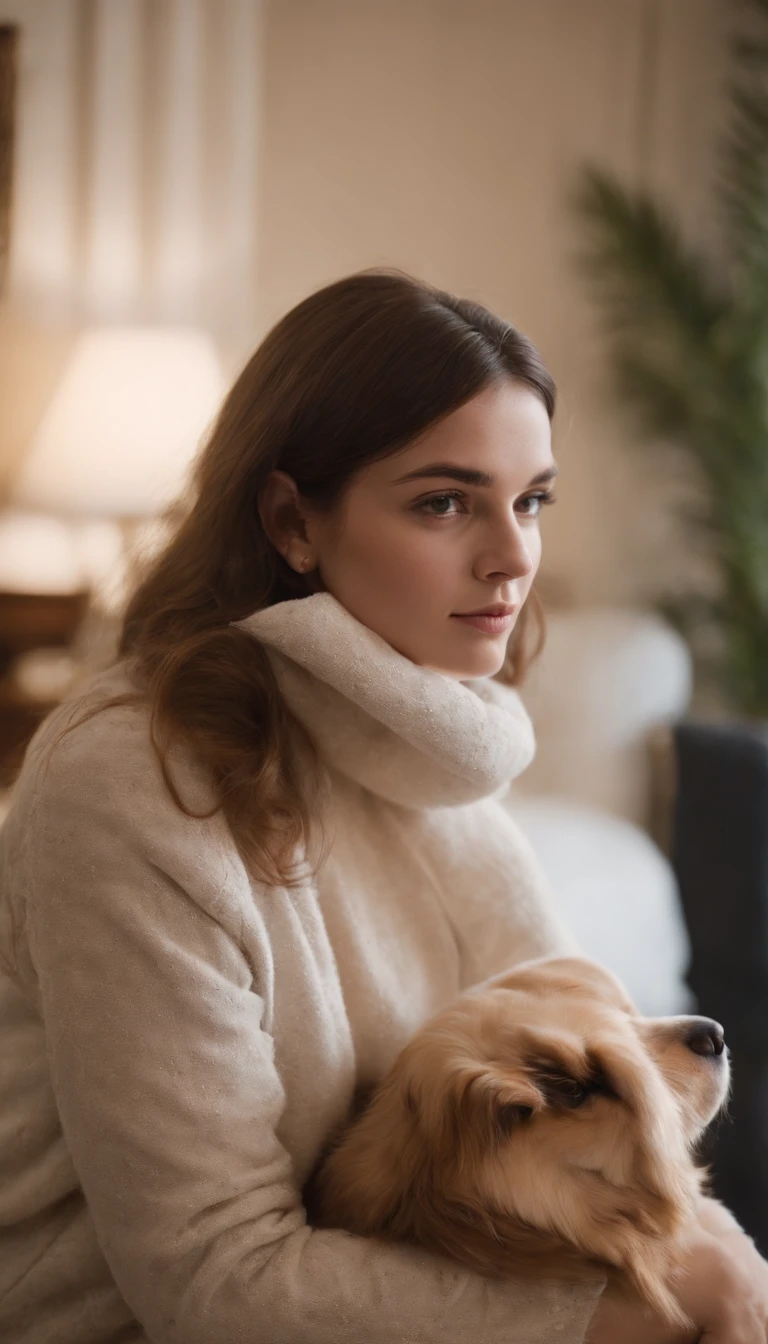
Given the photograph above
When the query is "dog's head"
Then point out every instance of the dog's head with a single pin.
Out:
(539, 1121)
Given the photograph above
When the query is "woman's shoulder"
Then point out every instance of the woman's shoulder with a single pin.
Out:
(92, 790)
(96, 747)
(96, 729)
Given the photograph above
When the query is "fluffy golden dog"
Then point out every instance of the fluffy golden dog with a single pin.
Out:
(537, 1124)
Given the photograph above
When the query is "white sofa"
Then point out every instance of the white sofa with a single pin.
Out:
(605, 680)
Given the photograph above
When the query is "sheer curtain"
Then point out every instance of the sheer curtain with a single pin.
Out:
(136, 192)
(138, 159)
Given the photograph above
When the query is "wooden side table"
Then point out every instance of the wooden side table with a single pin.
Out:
(29, 621)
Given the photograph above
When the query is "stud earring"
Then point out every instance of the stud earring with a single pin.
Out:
(304, 563)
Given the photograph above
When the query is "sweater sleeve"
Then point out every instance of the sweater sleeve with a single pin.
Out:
(170, 1101)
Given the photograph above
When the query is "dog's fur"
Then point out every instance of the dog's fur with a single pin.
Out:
(538, 1124)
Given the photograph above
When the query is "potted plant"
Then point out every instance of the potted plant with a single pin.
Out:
(689, 360)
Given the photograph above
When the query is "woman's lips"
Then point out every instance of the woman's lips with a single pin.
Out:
(491, 625)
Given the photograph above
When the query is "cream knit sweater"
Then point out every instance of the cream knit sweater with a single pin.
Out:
(179, 1039)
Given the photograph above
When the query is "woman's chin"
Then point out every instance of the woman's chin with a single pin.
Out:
(464, 653)
(485, 663)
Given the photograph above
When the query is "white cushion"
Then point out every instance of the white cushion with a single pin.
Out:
(618, 895)
(605, 679)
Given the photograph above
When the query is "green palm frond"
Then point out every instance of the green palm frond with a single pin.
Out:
(640, 262)
(743, 187)
(689, 354)
(660, 402)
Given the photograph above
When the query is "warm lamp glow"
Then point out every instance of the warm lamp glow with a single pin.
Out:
(37, 554)
(124, 423)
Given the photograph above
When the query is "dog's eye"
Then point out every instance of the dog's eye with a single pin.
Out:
(563, 1090)
(569, 1091)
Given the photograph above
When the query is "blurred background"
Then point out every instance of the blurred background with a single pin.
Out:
(176, 174)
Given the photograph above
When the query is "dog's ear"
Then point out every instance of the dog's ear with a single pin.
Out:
(364, 1177)
(492, 1105)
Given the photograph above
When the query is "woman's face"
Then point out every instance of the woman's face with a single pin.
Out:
(408, 547)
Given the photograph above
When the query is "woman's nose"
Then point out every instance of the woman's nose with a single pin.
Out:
(704, 1036)
(514, 558)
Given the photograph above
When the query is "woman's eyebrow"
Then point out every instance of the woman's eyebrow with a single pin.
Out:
(468, 475)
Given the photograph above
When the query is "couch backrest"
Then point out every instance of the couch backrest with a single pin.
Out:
(606, 678)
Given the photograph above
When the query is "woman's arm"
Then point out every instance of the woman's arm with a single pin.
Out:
(170, 1100)
(723, 1291)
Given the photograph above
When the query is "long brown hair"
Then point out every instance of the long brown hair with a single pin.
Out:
(351, 374)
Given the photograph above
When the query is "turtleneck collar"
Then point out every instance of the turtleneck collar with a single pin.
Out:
(408, 733)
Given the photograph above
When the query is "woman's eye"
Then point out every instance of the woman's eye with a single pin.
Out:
(531, 505)
(437, 499)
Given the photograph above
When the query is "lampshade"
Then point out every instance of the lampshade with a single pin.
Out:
(124, 423)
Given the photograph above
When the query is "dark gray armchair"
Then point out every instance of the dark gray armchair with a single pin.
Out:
(720, 856)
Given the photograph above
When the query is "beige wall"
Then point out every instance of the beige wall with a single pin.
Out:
(440, 136)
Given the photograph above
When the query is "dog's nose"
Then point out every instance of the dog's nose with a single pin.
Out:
(705, 1037)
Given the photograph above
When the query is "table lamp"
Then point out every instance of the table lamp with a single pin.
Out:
(110, 455)
(121, 430)
(123, 424)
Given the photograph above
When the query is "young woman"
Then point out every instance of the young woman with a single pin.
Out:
(269, 842)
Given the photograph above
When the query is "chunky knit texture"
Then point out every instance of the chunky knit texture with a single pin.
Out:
(179, 1039)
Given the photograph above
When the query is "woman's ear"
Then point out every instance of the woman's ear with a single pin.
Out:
(282, 514)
